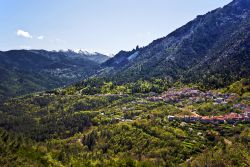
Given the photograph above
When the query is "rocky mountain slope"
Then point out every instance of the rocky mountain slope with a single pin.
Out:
(212, 49)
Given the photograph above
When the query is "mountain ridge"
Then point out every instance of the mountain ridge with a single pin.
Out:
(27, 71)
(174, 55)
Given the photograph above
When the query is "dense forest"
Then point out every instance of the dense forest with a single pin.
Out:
(119, 125)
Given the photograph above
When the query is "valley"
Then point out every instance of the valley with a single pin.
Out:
(27, 71)
(183, 100)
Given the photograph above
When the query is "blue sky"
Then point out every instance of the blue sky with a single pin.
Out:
(105, 26)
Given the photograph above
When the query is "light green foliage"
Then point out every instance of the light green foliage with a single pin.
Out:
(117, 126)
(239, 87)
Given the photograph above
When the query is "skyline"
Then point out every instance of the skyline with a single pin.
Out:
(105, 27)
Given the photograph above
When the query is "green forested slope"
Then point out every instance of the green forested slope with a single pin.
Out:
(120, 126)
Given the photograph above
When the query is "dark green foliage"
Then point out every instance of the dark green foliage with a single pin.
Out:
(90, 140)
(17, 150)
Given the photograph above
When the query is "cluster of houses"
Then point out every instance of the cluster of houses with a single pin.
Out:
(229, 118)
(193, 96)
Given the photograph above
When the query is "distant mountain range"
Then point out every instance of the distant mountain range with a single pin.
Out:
(213, 49)
(26, 71)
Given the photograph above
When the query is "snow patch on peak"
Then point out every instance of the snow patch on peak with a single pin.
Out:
(78, 51)
(85, 52)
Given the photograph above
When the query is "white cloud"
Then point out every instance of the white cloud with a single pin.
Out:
(24, 34)
(40, 37)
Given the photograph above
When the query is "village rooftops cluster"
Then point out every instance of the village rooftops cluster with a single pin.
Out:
(193, 95)
(229, 118)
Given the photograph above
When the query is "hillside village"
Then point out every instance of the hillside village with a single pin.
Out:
(190, 96)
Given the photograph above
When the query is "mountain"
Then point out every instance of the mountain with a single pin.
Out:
(213, 49)
(26, 71)
(95, 56)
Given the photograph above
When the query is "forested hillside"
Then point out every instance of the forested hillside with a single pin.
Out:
(27, 71)
(213, 50)
(128, 125)
(183, 100)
